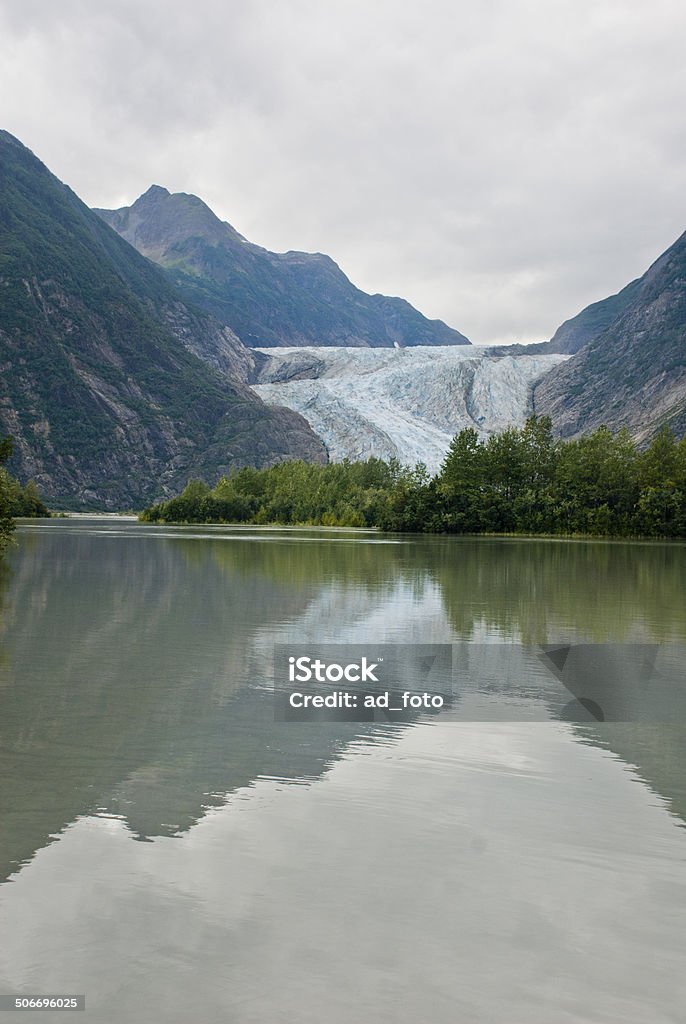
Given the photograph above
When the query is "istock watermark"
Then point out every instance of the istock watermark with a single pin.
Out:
(480, 682)
(361, 683)
(305, 669)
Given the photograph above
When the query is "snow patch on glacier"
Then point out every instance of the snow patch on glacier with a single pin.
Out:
(408, 403)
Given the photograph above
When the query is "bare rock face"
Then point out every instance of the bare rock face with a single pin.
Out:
(633, 374)
(407, 403)
(210, 341)
(266, 298)
(115, 390)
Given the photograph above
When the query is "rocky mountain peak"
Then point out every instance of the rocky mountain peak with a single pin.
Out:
(267, 298)
(154, 192)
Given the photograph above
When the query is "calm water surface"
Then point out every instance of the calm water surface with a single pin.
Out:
(171, 851)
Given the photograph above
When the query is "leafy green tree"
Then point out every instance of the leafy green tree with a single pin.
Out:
(659, 465)
(460, 483)
(6, 521)
(539, 452)
(15, 500)
(520, 480)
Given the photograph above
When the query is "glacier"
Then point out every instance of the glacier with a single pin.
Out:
(406, 403)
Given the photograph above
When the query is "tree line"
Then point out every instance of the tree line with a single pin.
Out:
(15, 500)
(521, 480)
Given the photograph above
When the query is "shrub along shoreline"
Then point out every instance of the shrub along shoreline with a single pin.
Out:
(519, 481)
(15, 500)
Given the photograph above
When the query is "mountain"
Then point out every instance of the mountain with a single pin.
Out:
(633, 373)
(268, 299)
(573, 334)
(102, 383)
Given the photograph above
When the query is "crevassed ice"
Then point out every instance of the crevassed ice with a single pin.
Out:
(408, 403)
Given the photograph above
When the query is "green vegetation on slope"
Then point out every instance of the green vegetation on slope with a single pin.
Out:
(101, 388)
(267, 298)
(518, 481)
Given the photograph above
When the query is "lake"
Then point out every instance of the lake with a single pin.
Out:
(174, 852)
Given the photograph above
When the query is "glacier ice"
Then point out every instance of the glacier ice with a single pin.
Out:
(408, 402)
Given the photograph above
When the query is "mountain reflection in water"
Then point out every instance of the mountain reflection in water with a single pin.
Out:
(135, 661)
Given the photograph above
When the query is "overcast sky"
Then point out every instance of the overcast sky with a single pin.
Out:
(499, 163)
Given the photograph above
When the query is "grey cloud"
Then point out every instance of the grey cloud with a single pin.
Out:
(499, 164)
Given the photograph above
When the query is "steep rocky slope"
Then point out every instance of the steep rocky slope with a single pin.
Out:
(267, 298)
(102, 385)
(573, 334)
(632, 374)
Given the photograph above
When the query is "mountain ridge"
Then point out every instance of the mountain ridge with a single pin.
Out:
(268, 299)
(633, 372)
(579, 330)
